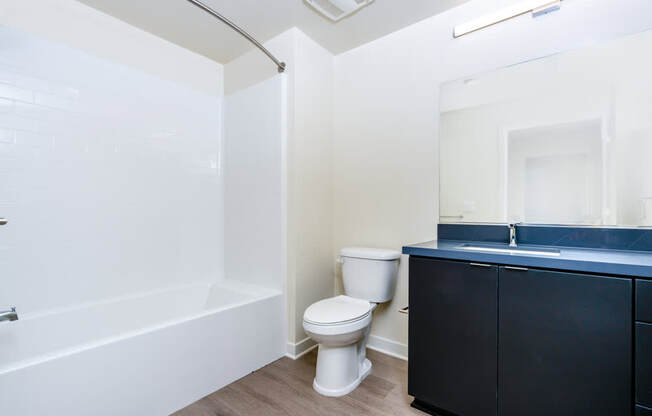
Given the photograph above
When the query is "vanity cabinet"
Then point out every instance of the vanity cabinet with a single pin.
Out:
(490, 339)
(564, 344)
(452, 340)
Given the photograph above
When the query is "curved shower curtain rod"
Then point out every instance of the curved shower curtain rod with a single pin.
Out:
(280, 65)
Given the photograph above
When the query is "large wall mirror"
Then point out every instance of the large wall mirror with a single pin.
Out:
(566, 139)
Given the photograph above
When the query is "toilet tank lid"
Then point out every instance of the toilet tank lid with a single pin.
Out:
(370, 253)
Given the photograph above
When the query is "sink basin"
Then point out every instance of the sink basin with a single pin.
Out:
(511, 250)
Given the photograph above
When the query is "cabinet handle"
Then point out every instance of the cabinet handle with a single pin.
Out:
(479, 265)
(404, 310)
(522, 269)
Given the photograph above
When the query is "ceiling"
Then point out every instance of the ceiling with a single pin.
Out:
(184, 24)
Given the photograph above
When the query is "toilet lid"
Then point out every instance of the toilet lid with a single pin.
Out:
(337, 310)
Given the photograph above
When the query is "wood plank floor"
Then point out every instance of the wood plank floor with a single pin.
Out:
(284, 387)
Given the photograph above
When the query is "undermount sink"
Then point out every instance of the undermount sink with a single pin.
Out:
(511, 250)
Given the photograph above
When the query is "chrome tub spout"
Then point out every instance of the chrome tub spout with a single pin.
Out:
(9, 315)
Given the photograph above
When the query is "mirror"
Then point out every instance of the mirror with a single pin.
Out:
(566, 139)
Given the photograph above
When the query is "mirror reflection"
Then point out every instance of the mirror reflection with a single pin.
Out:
(565, 139)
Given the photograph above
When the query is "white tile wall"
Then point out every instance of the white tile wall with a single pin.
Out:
(109, 178)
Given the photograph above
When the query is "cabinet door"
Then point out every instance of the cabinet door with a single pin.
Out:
(564, 344)
(644, 364)
(452, 341)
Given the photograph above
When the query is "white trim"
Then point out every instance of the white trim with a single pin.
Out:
(388, 347)
(301, 348)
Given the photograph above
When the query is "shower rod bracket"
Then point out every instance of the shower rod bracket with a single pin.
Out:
(279, 65)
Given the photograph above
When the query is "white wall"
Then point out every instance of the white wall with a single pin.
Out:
(108, 175)
(313, 179)
(82, 27)
(310, 261)
(386, 111)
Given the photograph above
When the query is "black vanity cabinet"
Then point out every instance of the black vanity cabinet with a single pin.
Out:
(488, 339)
(564, 344)
(452, 340)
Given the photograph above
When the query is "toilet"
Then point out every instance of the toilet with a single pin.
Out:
(341, 324)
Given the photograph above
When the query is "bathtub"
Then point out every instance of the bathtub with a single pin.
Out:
(146, 354)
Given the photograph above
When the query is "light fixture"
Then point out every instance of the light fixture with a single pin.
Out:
(536, 7)
(337, 9)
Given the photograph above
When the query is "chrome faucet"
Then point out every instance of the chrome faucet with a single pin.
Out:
(9, 315)
(512, 234)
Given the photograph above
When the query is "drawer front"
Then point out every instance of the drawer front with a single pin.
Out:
(644, 300)
(644, 364)
(643, 411)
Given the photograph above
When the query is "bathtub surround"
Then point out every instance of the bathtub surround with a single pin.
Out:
(255, 184)
(114, 183)
(310, 261)
(92, 152)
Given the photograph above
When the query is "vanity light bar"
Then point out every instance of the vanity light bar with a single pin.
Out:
(536, 7)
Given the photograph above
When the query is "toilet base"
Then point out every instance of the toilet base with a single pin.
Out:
(365, 370)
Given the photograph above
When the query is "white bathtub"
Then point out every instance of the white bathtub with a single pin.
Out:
(147, 354)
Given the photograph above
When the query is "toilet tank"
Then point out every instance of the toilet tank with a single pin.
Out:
(369, 273)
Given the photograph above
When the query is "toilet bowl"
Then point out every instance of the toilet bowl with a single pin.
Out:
(341, 324)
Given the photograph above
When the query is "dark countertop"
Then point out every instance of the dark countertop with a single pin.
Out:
(603, 261)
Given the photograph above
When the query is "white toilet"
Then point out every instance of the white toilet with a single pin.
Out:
(341, 324)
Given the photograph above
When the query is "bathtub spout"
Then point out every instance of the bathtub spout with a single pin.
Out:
(9, 315)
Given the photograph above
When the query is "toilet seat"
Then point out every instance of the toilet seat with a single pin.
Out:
(337, 311)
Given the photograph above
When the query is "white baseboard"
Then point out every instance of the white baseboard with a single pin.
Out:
(376, 343)
(298, 350)
(387, 346)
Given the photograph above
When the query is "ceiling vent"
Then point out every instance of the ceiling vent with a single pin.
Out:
(337, 9)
